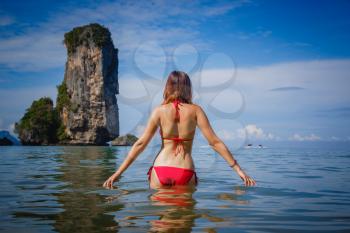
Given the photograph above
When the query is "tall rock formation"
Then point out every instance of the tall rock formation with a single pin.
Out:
(87, 100)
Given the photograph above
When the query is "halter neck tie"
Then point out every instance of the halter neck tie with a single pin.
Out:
(176, 104)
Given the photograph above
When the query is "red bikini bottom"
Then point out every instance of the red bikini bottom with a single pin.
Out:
(173, 175)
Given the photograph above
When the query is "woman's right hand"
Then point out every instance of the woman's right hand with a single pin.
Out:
(248, 181)
(109, 182)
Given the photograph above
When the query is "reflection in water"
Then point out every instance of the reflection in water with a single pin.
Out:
(179, 215)
(175, 196)
(234, 198)
(59, 189)
(84, 170)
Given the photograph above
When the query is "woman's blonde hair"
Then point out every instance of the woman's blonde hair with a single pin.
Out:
(178, 86)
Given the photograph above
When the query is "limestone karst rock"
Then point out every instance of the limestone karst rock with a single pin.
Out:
(87, 100)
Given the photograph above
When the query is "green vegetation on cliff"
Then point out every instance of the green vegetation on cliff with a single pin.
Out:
(81, 35)
(39, 124)
(62, 99)
(61, 134)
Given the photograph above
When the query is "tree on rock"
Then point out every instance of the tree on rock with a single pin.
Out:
(39, 124)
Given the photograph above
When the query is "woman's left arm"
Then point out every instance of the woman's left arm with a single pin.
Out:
(137, 148)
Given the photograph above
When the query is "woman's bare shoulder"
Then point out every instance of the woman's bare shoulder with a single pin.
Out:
(161, 107)
(196, 107)
(158, 110)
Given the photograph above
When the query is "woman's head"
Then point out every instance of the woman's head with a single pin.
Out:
(178, 86)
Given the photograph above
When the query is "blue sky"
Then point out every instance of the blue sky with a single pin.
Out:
(283, 65)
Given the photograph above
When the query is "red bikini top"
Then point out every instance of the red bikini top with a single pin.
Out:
(177, 141)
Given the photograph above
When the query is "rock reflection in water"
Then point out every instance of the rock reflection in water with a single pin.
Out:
(84, 171)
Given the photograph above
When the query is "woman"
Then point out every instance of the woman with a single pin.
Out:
(177, 118)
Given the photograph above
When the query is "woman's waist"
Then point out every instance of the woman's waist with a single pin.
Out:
(181, 160)
(192, 169)
(170, 147)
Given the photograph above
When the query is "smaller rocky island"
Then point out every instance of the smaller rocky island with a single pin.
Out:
(126, 140)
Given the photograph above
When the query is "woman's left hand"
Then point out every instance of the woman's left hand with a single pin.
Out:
(248, 181)
(109, 182)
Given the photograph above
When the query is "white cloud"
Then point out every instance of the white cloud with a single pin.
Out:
(312, 76)
(254, 132)
(322, 85)
(218, 10)
(228, 135)
(249, 132)
(300, 138)
(131, 24)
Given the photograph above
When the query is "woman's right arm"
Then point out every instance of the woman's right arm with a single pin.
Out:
(218, 145)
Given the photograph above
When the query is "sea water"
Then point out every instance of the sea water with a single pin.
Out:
(59, 189)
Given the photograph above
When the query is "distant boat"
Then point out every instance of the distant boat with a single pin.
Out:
(250, 146)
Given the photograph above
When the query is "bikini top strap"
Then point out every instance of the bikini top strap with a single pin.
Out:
(176, 104)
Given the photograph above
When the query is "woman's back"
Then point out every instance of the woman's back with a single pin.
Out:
(185, 127)
(177, 128)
